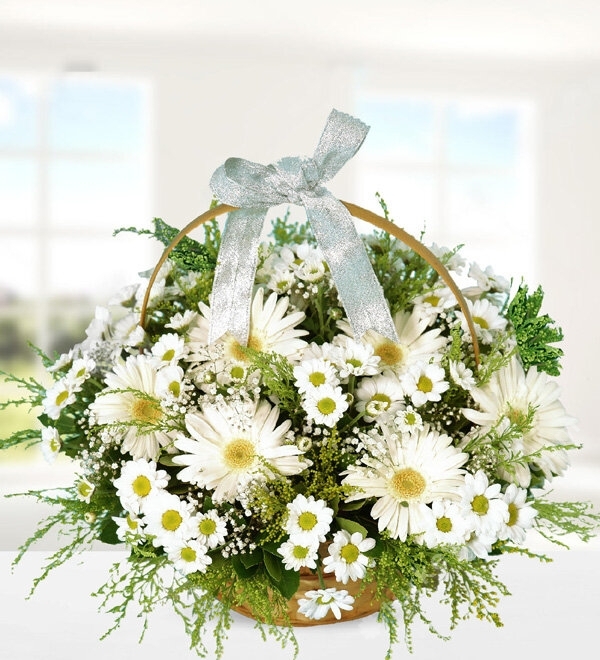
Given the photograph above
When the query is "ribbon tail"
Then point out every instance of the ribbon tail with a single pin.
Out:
(231, 297)
(358, 288)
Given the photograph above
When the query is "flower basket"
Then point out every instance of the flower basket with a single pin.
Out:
(310, 429)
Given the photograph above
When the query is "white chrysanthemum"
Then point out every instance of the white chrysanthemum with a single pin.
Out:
(325, 405)
(168, 519)
(446, 525)
(477, 545)
(512, 394)
(58, 397)
(281, 280)
(486, 318)
(182, 321)
(168, 350)
(229, 447)
(314, 373)
(80, 371)
(482, 505)
(409, 420)
(431, 305)
(521, 515)
(486, 281)
(410, 472)
(319, 602)
(170, 383)
(346, 558)
(424, 382)
(209, 528)
(131, 403)
(272, 329)
(308, 519)
(51, 443)
(139, 480)
(380, 395)
(462, 375)
(297, 555)
(84, 489)
(63, 360)
(130, 529)
(354, 358)
(188, 556)
(415, 342)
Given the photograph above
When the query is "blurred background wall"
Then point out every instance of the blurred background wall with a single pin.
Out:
(485, 132)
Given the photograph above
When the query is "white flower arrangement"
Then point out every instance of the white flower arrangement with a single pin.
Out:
(232, 471)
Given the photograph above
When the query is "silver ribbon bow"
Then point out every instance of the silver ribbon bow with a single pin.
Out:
(254, 188)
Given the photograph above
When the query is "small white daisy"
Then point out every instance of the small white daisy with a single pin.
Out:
(478, 545)
(346, 558)
(297, 555)
(353, 358)
(167, 519)
(80, 371)
(486, 281)
(84, 489)
(482, 505)
(319, 602)
(58, 397)
(209, 528)
(521, 515)
(139, 479)
(170, 382)
(168, 350)
(188, 556)
(51, 443)
(181, 321)
(313, 373)
(409, 420)
(431, 305)
(325, 405)
(129, 529)
(308, 519)
(486, 318)
(424, 382)
(462, 375)
(379, 395)
(447, 526)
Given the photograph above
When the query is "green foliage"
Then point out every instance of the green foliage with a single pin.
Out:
(286, 232)
(556, 519)
(534, 333)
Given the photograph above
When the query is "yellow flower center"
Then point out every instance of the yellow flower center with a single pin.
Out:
(307, 520)
(132, 524)
(54, 445)
(237, 372)
(481, 322)
(410, 418)
(383, 399)
(408, 484)
(389, 353)
(207, 526)
(444, 524)
(317, 378)
(168, 355)
(433, 300)
(61, 397)
(175, 388)
(146, 411)
(425, 384)
(513, 514)
(84, 489)
(350, 553)
(188, 554)
(141, 486)
(326, 406)
(239, 454)
(236, 351)
(480, 505)
(300, 552)
(171, 520)
(516, 416)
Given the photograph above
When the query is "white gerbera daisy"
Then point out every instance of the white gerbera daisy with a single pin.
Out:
(424, 382)
(139, 480)
(308, 520)
(512, 394)
(131, 404)
(521, 515)
(409, 472)
(346, 558)
(415, 342)
(209, 528)
(58, 397)
(188, 556)
(319, 602)
(230, 447)
(482, 505)
(298, 555)
(314, 373)
(380, 395)
(51, 443)
(272, 329)
(167, 519)
(168, 350)
(446, 526)
(325, 405)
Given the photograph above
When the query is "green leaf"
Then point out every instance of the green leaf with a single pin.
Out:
(252, 558)
(289, 583)
(108, 533)
(241, 570)
(351, 526)
(273, 566)
(352, 506)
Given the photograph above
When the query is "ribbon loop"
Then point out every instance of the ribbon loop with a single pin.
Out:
(254, 188)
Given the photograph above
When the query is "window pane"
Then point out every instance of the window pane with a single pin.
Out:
(402, 128)
(18, 192)
(18, 115)
(483, 135)
(100, 195)
(88, 114)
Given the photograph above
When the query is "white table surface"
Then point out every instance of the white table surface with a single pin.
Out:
(554, 613)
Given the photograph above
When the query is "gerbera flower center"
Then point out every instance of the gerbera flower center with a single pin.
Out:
(307, 520)
(481, 322)
(350, 553)
(326, 405)
(207, 527)
(171, 520)
(513, 514)
(516, 416)
(141, 486)
(300, 552)
(444, 524)
(408, 484)
(317, 378)
(239, 454)
(425, 384)
(389, 353)
(146, 411)
(480, 505)
(188, 554)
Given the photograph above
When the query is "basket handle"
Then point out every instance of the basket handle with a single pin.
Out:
(356, 211)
